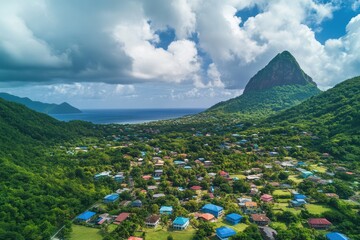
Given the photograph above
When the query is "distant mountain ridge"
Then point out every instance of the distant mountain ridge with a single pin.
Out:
(48, 108)
(279, 85)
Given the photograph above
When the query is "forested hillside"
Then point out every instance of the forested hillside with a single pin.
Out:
(333, 116)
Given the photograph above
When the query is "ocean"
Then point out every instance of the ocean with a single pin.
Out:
(125, 116)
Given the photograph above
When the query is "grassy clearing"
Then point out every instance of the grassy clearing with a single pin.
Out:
(318, 168)
(281, 193)
(317, 209)
(280, 207)
(238, 227)
(85, 233)
(239, 176)
(295, 178)
(159, 233)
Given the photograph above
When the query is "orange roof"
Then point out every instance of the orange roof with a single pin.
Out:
(134, 238)
(146, 177)
(207, 216)
(250, 204)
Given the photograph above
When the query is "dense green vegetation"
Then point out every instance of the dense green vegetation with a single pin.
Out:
(333, 116)
(266, 102)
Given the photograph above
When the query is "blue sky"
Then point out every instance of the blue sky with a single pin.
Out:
(165, 54)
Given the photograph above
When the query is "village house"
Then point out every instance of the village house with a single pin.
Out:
(215, 210)
(319, 223)
(224, 174)
(243, 200)
(180, 223)
(166, 210)
(152, 221)
(135, 238)
(111, 198)
(207, 217)
(121, 217)
(250, 208)
(260, 219)
(336, 236)
(266, 198)
(85, 216)
(233, 218)
(332, 195)
(224, 233)
(136, 203)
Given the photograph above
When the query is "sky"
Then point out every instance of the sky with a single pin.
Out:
(168, 53)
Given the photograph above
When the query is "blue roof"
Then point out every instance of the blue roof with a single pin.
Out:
(212, 207)
(180, 221)
(233, 216)
(166, 208)
(85, 215)
(336, 236)
(299, 196)
(112, 197)
(225, 232)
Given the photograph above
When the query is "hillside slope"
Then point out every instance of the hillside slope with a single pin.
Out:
(48, 108)
(334, 116)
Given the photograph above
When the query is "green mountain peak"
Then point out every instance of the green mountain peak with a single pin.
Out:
(282, 70)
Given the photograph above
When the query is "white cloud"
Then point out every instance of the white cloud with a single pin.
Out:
(179, 62)
(115, 42)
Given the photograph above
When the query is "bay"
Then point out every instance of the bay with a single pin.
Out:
(125, 116)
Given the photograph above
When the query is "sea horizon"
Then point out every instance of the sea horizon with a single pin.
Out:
(127, 115)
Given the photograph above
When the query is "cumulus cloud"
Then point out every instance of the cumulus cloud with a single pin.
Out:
(117, 42)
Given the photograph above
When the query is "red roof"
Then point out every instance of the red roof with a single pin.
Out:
(318, 221)
(266, 197)
(196, 188)
(134, 238)
(207, 216)
(223, 173)
(121, 217)
(260, 218)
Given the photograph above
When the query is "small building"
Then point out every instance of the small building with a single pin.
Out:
(224, 233)
(243, 200)
(224, 174)
(260, 219)
(152, 221)
(135, 238)
(250, 207)
(268, 233)
(85, 216)
(336, 236)
(180, 223)
(166, 210)
(266, 198)
(121, 217)
(136, 203)
(332, 195)
(206, 217)
(158, 195)
(111, 198)
(215, 210)
(297, 203)
(306, 174)
(298, 196)
(119, 178)
(319, 223)
(233, 218)
(196, 188)
(158, 172)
